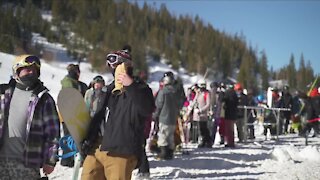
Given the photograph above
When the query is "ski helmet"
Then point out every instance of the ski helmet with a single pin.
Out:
(169, 73)
(314, 92)
(25, 61)
(167, 80)
(260, 98)
(202, 83)
(237, 87)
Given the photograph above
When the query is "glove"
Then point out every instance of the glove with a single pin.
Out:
(86, 146)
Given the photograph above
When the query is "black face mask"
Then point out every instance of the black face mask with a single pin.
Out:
(29, 80)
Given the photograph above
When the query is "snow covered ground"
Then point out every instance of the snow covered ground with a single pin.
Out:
(287, 158)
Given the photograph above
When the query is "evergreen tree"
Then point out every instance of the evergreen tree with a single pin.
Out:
(264, 71)
(291, 73)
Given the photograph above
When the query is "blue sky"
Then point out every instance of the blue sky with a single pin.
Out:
(280, 28)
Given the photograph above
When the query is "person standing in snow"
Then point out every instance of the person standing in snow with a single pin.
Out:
(285, 101)
(130, 103)
(167, 111)
(94, 97)
(230, 100)
(71, 80)
(311, 111)
(215, 110)
(29, 123)
(200, 113)
(242, 101)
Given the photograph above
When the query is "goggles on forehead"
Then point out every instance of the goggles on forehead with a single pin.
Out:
(115, 59)
(28, 61)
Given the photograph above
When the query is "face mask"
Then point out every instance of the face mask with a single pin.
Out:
(29, 80)
(97, 91)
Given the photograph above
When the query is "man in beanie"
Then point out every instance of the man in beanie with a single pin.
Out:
(129, 103)
(71, 80)
(29, 123)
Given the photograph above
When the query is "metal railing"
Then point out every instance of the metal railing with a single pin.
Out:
(275, 111)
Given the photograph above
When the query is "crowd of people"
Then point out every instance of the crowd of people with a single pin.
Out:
(127, 118)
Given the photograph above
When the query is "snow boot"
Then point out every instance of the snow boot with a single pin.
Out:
(202, 144)
(221, 140)
(163, 152)
(169, 154)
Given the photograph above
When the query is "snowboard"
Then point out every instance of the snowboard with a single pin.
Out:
(74, 114)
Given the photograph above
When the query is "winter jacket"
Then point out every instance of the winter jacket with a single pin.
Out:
(125, 124)
(312, 107)
(167, 106)
(94, 101)
(202, 100)
(67, 81)
(231, 104)
(242, 101)
(179, 92)
(286, 101)
(42, 129)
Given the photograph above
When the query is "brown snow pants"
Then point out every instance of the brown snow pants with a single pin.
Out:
(229, 132)
(103, 165)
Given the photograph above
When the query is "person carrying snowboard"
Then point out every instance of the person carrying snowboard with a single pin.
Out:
(71, 80)
(29, 123)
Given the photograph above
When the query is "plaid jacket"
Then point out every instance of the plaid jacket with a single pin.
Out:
(42, 129)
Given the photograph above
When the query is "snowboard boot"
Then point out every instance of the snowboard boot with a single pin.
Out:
(209, 144)
(221, 140)
(154, 149)
(169, 154)
(163, 152)
(202, 144)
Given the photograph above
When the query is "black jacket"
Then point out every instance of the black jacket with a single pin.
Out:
(231, 104)
(123, 134)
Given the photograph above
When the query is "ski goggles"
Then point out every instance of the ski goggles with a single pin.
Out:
(115, 59)
(28, 61)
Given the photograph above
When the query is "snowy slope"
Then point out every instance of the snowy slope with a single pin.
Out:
(287, 158)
